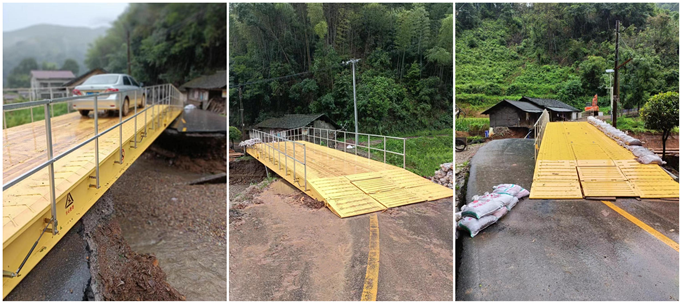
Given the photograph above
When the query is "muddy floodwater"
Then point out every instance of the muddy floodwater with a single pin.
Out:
(183, 225)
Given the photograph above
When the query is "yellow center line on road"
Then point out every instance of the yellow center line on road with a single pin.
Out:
(643, 226)
(371, 279)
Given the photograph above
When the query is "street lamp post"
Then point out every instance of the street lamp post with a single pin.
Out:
(354, 96)
(610, 71)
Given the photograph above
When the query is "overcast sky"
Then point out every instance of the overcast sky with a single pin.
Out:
(20, 15)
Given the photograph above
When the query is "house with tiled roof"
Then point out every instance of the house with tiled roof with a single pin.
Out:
(207, 92)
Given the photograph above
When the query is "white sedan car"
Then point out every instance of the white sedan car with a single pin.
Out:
(129, 89)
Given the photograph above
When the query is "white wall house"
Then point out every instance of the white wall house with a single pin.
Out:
(46, 84)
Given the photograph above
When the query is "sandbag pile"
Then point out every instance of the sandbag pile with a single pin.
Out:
(445, 175)
(643, 155)
(487, 209)
(250, 142)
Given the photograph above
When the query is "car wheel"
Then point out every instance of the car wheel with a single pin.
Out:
(84, 112)
(126, 107)
(143, 102)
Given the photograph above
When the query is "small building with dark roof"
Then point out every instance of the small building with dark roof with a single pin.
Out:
(558, 110)
(207, 92)
(509, 113)
(294, 121)
(47, 84)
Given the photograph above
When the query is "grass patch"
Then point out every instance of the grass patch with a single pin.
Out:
(23, 116)
(472, 124)
(636, 125)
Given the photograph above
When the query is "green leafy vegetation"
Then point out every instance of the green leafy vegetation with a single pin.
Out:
(23, 116)
(403, 78)
(561, 51)
(661, 113)
(169, 42)
(472, 124)
(234, 135)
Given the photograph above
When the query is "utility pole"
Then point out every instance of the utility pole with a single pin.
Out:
(241, 111)
(616, 95)
(127, 38)
(354, 95)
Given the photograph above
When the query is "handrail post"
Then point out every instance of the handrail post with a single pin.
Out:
(385, 147)
(96, 144)
(50, 168)
(369, 144)
(305, 165)
(135, 118)
(285, 160)
(146, 126)
(404, 153)
(294, 163)
(345, 142)
(121, 104)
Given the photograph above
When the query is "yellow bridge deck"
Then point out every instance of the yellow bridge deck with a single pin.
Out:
(348, 184)
(577, 160)
(26, 205)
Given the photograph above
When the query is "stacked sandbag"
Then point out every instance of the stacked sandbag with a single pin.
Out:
(250, 142)
(487, 209)
(614, 133)
(643, 155)
(445, 175)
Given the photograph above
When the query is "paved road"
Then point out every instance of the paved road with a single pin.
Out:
(63, 275)
(563, 250)
(285, 251)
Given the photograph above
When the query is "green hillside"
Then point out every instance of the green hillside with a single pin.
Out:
(47, 43)
(504, 51)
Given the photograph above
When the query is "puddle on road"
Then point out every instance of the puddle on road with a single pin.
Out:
(195, 268)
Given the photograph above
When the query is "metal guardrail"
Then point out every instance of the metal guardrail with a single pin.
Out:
(539, 128)
(317, 135)
(164, 94)
(268, 146)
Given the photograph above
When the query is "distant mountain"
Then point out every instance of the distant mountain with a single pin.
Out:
(51, 43)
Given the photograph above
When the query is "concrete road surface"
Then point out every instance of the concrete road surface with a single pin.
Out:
(564, 250)
(282, 250)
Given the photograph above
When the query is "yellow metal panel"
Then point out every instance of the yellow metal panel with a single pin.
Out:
(601, 163)
(566, 189)
(656, 189)
(608, 189)
(397, 197)
(343, 198)
(606, 173)
(555, 170)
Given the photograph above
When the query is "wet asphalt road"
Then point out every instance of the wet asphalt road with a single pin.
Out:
(285, 251)
(63, 275)
(563, 250)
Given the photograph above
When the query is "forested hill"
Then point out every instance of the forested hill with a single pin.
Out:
(169, 42)
(562, 51)
(404, 78)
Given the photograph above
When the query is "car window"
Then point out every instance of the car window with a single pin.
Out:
(134, 82)
(101, 79)
(126, 81)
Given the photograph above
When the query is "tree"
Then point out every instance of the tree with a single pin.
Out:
(234, 135)
(49, 66)
(20, 76)
(72, 65)
(661, 113)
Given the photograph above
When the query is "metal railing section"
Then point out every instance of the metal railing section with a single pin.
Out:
(153, 96)
(271, 146)
(539, 128)
(326, 137)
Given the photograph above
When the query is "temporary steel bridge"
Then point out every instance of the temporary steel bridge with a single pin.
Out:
(350, 179)
(57, 168)
(576, 160)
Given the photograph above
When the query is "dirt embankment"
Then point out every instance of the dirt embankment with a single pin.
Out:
(201, 155)
(119, 273)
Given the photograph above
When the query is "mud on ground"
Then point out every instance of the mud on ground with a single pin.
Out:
(120, 274)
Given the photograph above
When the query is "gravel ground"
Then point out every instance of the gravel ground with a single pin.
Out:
(467, 154)
(154, 193)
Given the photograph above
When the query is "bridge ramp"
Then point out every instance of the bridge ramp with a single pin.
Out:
(27, 205)
(577, 160)
(348, 184)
